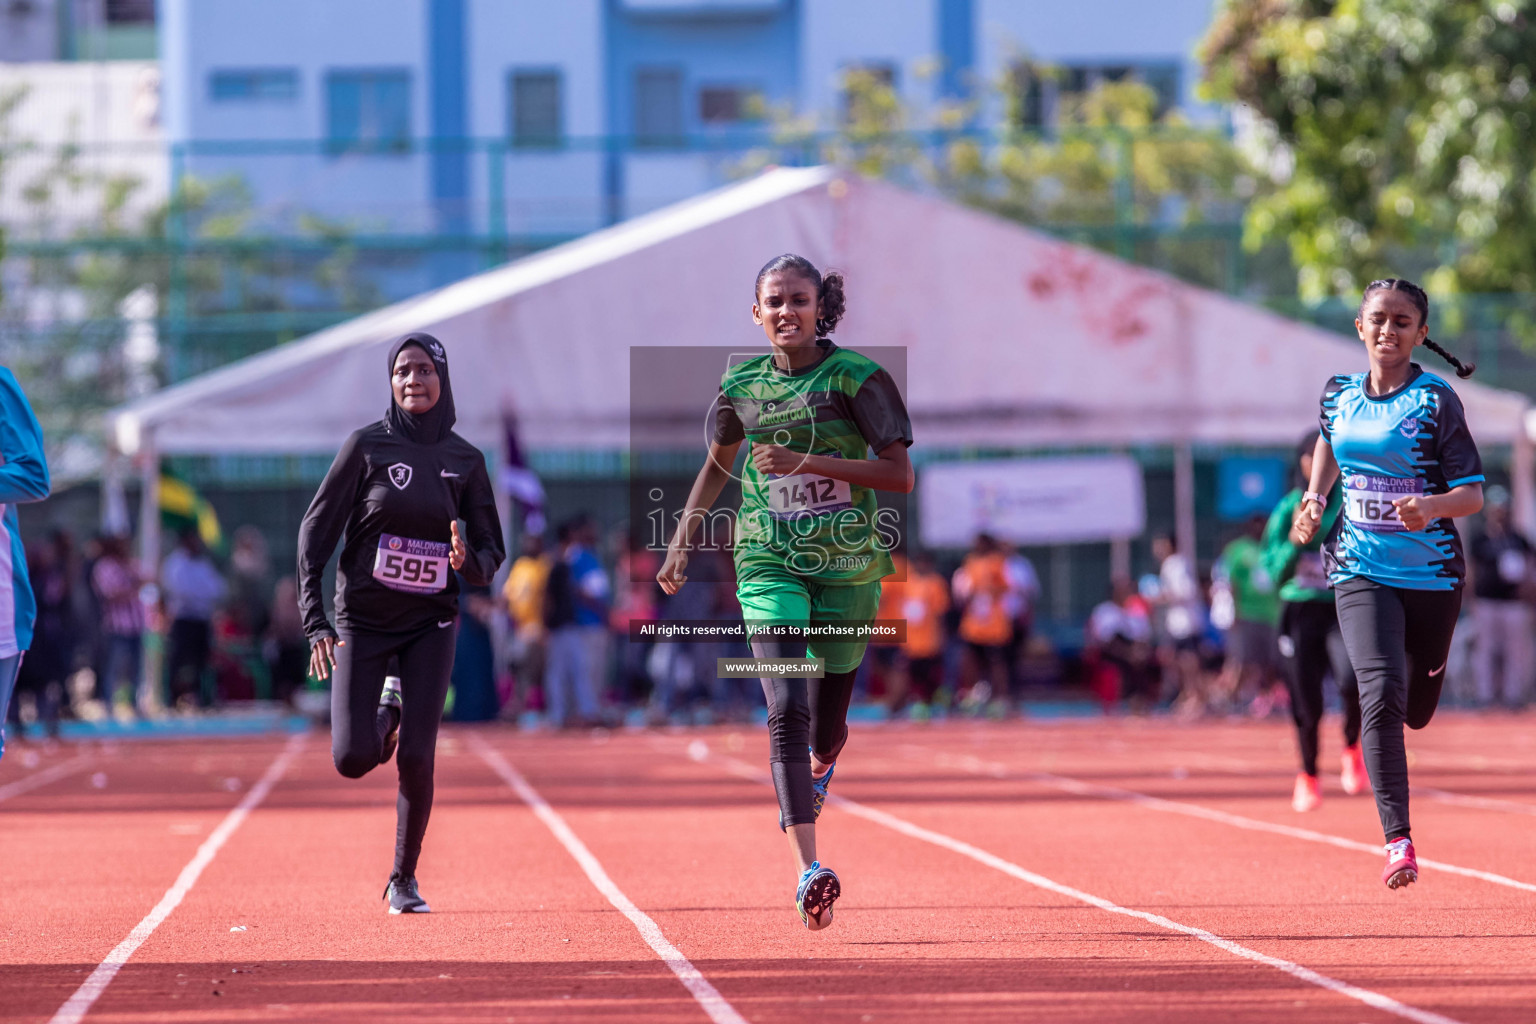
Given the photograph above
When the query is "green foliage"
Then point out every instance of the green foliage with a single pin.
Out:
(1112, 172)
(209, 264)
(1395, 135)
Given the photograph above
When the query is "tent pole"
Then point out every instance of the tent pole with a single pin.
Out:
(1184, 500)
(149, 507)
(1522, 479)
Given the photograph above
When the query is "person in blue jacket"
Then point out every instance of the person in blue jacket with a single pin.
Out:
(23, 477)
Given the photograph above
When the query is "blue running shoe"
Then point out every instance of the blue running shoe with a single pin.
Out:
(818, 794)
(819, 889)
(819, 789)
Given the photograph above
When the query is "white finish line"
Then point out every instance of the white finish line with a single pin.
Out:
(708, 997)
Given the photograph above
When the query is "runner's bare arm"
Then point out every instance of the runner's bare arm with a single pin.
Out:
(701, 498)
(1309, 516)
(1417, 510)
(890, 471)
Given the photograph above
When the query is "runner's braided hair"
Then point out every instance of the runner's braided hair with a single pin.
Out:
(1421, 301)
(829, 289)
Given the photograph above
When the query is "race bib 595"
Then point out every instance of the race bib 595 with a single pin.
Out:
(413, 566)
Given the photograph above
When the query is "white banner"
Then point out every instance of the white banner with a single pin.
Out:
(1031, 501)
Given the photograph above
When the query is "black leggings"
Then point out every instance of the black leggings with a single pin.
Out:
(358, 729)
(1398, 642)
(803, 715)
(1316, 645)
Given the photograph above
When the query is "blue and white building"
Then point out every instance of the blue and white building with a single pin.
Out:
(543, 119)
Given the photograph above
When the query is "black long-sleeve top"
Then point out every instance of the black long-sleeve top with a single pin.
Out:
(395, 501)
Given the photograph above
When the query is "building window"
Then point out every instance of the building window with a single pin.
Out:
(533, 99)
(368, 111)
(659, 107)
(730, 104)
(271, 85)
(1039, 91)
(130, 12)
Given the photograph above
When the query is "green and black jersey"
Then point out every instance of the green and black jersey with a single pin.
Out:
(841, 406)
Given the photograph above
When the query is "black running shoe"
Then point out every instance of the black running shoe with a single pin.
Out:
(403, 897)
(391, 707)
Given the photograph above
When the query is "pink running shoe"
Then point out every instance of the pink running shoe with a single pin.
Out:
(1307, 795)
(1352, 774)
(1402, 867)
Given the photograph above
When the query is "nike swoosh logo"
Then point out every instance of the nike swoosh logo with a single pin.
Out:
(444, 472)
(1438, 671)
(445, 625)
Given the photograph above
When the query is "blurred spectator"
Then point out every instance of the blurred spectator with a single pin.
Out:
(284, 647)
(981, 590)
(474, 664)
(1249, 673)
(191, 588)
(1023, 593)
(1118, 648)
(684, 673)
(524, 593)
(115, 581)
(1181, 621)
(49, 662)
(250, 583)
(575, 610)
(636, 598)
(914, 670)
(1501, 573)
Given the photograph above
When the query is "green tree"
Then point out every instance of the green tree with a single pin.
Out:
(1395, 135)
(1111, 171)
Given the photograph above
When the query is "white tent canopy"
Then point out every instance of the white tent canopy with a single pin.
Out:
(1013, 338)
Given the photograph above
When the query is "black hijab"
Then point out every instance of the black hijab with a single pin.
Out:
(433, 425)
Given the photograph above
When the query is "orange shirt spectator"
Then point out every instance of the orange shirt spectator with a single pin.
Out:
(922, 601)
(981, 586)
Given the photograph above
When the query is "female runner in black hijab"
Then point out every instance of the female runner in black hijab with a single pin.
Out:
(397, 489)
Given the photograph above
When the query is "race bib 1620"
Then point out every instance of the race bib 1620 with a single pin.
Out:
(1368, 499)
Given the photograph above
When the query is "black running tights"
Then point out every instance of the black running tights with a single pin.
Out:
(358, 728)
(1310, 631)
(1398, 642)
(803, 715)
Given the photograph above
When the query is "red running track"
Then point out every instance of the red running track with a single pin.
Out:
(1111, 870)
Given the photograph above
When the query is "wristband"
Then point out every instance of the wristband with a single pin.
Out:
(1321, 499)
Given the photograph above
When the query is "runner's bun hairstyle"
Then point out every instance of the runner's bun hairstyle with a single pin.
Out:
(829, 289)
(1419, 299)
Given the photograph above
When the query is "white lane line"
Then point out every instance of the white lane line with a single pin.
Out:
(42, 778)
(1444, 796)
(707, 996)
(1483, 803)
(1102, 792)
(1374, 999)
(79, 1004)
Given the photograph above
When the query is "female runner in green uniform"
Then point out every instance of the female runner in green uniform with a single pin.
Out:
(808, 553)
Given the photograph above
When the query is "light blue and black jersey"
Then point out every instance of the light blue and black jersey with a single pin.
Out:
(1413, 441)
(23, 477)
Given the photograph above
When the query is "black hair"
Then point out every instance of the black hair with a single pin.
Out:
(1421, 302)
(829, 289)
(1308, 444)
